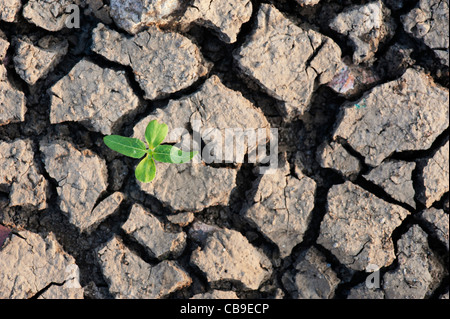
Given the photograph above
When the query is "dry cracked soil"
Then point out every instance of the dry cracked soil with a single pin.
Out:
(358, 206)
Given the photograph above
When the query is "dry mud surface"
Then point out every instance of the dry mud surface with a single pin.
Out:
(358, 91)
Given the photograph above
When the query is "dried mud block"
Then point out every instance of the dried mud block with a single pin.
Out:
(105, 208)
(428, 21)
(147, 230)
(81, 177)
(366, 26)
(281, 207)
(334, 155)
(439, 222)
(395, 177)
(200, 231)
(419, 271)
(197, 186)
(35, 58)
(225, 17)
(134, 15)
(287, 60)
(403, 115)
(50, 15)
(4, 45)
(30, 263)
(96, 97)
(358, 226)
(228, 256)
(361, 291)
(163, 62)
(182, 219)
(20, 177)
(436, 177)
(312, 278)
(9, 10)
(12, 101)
(130, 277)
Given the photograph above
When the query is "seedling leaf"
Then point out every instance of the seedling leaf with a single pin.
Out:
(146, 170)
(171, 154)
(155, 133)
(131, 147)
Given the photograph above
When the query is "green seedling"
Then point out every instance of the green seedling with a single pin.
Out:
(155, 134)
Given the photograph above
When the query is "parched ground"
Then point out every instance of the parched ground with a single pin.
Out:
(359, 204)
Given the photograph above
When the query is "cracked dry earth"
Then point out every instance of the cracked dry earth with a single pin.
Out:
(358, 91)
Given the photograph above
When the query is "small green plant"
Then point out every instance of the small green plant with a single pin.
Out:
(155, 134)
